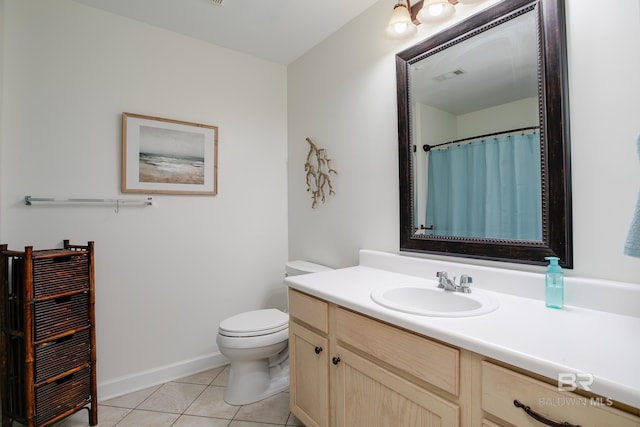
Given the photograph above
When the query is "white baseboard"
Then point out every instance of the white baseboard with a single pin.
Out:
(149, 378)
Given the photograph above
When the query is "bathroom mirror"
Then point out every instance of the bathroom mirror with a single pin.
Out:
(483, 136)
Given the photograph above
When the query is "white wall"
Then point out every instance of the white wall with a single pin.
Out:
(165, 275)
(342, 93)
(435, 126)
(512, 115)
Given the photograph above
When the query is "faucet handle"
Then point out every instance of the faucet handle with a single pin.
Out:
(465, 281)
(442, 276)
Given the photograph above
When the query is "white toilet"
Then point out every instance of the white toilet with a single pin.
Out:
(256, 344)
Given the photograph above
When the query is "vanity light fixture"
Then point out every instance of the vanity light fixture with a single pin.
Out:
(406, 18)
(401, 25)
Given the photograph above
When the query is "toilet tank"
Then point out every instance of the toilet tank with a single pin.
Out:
(298, 267)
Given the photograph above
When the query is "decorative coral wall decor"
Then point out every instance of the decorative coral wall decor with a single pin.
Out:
(317, 168)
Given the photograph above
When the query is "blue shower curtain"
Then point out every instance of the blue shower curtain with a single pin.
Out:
(489, 188)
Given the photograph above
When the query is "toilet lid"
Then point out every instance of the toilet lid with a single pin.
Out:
(253, 323)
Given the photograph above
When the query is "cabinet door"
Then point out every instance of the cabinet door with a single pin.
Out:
(309, 376)
(367, 395)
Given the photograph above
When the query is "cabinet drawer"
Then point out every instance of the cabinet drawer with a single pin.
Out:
(58, 315)
(62, 395)
(415, 355)
(501, 386)
(60, 274)
(309, 310)
(55, 357)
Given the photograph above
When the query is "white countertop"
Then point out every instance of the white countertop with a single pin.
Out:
(521, 332)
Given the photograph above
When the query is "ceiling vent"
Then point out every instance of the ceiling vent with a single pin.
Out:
(450, 75)
(216, 2)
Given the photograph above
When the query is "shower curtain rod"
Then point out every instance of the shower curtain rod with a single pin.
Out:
(427, 147)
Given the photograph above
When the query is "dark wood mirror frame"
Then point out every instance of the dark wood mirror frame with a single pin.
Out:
(554, 142)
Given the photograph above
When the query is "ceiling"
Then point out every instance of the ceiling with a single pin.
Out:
(275, 30)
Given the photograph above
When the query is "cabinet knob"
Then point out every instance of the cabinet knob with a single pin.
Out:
(318, 350)
(335, 360)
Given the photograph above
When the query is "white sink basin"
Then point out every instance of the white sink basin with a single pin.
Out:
(431, 301)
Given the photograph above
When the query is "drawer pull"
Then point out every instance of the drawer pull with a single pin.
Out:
(63, 339)
(64, 379)
(318, 350)
(541, 418)
(335, 360)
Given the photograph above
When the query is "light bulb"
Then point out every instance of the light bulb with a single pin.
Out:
(435, 11)
(400, 27)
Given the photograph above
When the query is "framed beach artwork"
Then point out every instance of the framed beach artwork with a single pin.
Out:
(168, 156)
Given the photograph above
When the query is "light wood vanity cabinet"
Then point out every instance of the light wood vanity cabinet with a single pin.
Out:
(349, 370)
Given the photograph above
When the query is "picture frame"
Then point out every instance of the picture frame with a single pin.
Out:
(165, 156)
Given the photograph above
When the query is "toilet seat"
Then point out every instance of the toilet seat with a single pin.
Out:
(254, 323)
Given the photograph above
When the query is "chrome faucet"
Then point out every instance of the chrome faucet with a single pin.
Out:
(450, 285)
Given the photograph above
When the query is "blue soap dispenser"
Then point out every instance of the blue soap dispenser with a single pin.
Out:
(554, 284)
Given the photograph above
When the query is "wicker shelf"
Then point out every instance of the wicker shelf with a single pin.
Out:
(47, 344)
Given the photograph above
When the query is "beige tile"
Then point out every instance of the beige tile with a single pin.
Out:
(131, 400)
(188, 402)
(108, 416)
(274, 409)
(294, 421)
(173, 397)
(211, 404)
(193, 421)
(139, 418)
(205, 377)
(235, 423)
(222, 380)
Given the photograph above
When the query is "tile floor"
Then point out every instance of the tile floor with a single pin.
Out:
(195, 401)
